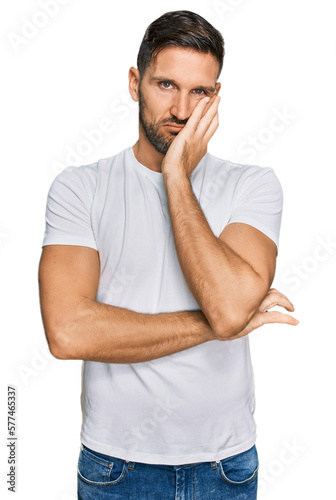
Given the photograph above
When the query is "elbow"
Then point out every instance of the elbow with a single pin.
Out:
(226, 327)
(63, 331)
(58, 352)
(60, 345)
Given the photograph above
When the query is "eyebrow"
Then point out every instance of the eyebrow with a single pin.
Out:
(198, 87)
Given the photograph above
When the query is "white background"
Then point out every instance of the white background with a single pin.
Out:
(62, 79)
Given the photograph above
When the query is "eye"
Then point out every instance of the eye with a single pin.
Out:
(199, 92)
(166, 85)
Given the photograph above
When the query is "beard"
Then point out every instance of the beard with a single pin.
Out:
(160, 142)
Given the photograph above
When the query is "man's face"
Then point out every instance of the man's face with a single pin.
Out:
(169, 91)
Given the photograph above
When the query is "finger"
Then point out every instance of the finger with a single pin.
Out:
(198, 113)
(211, 100)
(208, 124)
(275, 291)
(203, 114)
(278, 317)
(212, 129)
(274, 298)
(210, 111)
(281, 302)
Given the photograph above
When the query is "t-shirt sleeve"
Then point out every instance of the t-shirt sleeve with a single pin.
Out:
(259, 202)
(68, 212)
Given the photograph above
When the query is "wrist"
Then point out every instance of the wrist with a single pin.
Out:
(176, 179)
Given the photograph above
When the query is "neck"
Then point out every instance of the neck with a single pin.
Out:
(146, 154)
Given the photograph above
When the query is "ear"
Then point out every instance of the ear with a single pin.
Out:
(218, 87)
(134, 80)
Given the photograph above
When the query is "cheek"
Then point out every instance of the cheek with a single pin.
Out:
(156, 110)
(157, 105)
(162, 110)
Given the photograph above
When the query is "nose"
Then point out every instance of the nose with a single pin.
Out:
(181, 107)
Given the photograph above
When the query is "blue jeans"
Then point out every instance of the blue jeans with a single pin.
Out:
(101, 477)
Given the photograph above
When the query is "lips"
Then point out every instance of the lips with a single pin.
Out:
(174, 126)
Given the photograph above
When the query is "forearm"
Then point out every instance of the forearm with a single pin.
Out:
(226, 287)
(100, 332)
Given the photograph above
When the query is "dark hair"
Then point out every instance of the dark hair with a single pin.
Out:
(180, 28)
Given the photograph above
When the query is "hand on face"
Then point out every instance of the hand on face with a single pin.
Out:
(190, 145)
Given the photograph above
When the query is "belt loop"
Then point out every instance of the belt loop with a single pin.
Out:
(130, 465)
(214, 465)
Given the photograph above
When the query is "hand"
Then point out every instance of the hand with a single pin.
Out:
(263, 316)
(190, 145)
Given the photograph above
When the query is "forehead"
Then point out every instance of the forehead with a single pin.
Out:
(187, 66)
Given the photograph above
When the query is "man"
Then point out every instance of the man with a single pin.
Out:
(157, 264)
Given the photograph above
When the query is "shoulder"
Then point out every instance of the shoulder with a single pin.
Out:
(85, 178)
(242, 176)
(238, 170)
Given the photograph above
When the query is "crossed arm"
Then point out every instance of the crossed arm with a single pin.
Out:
(229, 277)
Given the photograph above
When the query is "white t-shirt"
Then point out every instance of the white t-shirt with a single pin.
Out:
(193, 406)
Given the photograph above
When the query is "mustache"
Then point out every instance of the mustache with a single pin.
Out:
(173, 119)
